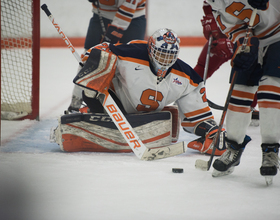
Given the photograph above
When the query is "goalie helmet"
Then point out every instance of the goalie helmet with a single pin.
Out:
(163, 50)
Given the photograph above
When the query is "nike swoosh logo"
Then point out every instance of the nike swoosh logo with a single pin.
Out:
(263, 79)
(138, 68)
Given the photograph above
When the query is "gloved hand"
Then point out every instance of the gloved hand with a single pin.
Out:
(113, 34)
(221, 51)
(242, 61)
(210, 27)
(259, 4)
(208, 130)
(223, 48)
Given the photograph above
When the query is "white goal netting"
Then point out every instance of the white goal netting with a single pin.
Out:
(16, 58)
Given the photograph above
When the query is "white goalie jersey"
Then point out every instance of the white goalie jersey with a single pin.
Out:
(136, 85)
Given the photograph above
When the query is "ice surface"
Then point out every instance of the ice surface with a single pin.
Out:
(38, 181)
(47, 183)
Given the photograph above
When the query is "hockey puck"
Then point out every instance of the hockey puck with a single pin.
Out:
(177, 170)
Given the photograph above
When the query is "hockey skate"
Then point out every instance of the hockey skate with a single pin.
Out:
(270, 162)
(230, 158)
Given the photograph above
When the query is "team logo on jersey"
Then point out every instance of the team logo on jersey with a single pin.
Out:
(177, 81)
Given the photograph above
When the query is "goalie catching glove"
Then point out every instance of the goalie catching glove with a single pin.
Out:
(98, 70)
(208, 130)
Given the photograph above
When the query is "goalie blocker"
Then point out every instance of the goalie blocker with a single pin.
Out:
(96, 132)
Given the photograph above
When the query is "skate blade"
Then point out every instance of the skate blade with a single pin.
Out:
(217, 173)
(268, 180)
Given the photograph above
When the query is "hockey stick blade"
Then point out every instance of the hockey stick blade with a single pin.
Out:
(164, 152)
(215, 106)
(202, 164)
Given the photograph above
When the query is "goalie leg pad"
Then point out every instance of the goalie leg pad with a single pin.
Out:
(97, 133)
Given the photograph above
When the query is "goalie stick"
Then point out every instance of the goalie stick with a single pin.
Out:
(96, 3)
(205, 165)
(134, 142)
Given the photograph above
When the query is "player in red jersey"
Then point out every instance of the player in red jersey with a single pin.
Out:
(221, 51)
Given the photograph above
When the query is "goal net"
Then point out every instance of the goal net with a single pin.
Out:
(20, 50)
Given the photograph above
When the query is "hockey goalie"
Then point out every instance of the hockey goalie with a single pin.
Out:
(156, 91)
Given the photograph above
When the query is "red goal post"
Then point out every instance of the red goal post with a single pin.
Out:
(20, 59)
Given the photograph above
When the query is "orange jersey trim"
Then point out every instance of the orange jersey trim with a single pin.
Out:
(267, 31)
(269, 88)
(239, 109)
(134, 60)
(123, 18)
(138, 42)
(127, 9)
(115, 10)
(242, 94)
(265, 104)
(197, 112)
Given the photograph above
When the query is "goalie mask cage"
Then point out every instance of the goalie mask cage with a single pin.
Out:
(20, 51)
